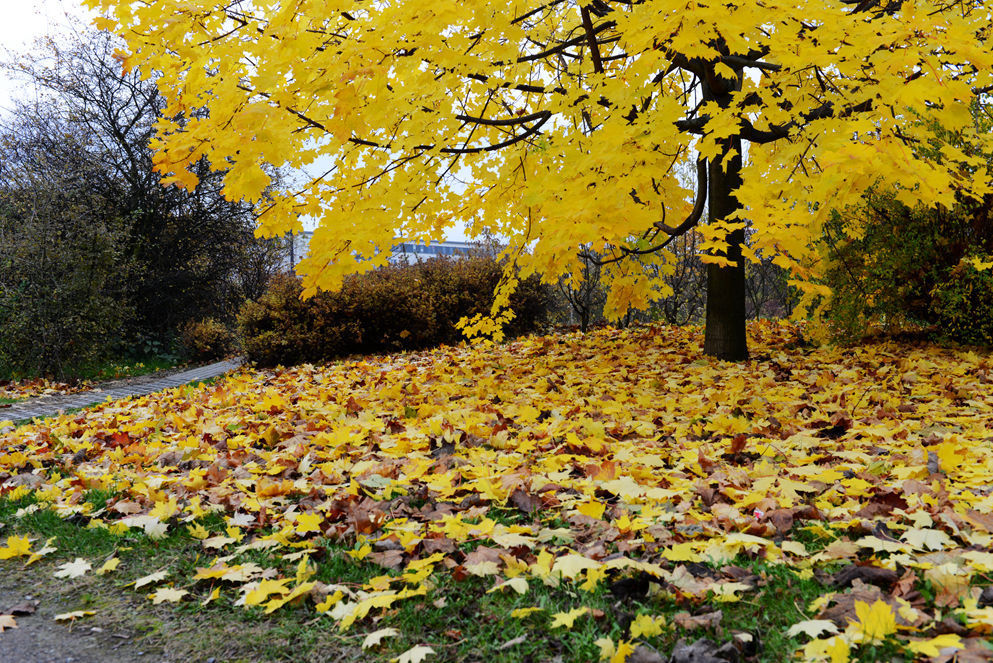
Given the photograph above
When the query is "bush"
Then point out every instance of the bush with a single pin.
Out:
(206, 340)
(885, 278)
(961, 305)
(397, 307)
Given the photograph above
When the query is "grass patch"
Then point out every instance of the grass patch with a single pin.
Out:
(460, 619)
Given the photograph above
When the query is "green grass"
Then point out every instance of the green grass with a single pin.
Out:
(124, 368)
(10, 401)
(110, 369)
(459, 619)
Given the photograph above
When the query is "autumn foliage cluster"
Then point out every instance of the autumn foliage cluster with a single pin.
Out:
(608, 125)
(396, 307)
(573, 460)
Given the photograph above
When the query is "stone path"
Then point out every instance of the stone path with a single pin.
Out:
(47, 406)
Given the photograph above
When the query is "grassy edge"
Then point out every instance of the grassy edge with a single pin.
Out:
(459, 619)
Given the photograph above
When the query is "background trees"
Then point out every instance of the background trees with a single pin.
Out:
(95, 249)
(61, 258)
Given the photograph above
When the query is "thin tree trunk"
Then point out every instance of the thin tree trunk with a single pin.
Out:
(725, 337)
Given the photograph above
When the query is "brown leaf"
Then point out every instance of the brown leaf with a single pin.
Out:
(703, 651)
(781, 519)
(976, 650)
(983, 520)
(843, 610)
(391, 559)
(440, 544)
(484, 554)
(524, 501)
(23, 608)
(706, 464)
(738, 443)
(707, 620)
(873, 575)
(644, 654)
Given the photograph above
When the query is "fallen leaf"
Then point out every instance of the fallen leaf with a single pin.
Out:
(6, 622)
(415, 654)
(108, 566)
(151, 578)
(73, 569)
(567, 619)
(376, 637)
(706, 620)
(73, 616)
(813, 628)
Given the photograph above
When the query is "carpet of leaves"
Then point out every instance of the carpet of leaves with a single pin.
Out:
(32, 388)
(621, 456)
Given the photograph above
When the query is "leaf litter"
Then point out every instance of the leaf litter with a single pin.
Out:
(619, 458)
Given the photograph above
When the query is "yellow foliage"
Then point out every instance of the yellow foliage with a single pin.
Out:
(492, 128)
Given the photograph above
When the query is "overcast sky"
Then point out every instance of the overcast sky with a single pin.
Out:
(23, 21)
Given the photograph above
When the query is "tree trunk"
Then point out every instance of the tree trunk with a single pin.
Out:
(724, 337)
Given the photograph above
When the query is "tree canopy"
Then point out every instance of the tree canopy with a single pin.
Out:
(557, 124)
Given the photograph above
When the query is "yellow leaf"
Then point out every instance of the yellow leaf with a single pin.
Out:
(262, 591)
(280, 601)
(624, 649)
(16, 547)
(812, 628)
(875, 622)
(73, 616)
(606, 646)
(167, 595)
(108, 566)
(566, 619)
(593, 509)
(197, 531)
(834, 649)
(329, 601)
(361, 552)
(646, 626)
(521, 613)
(483, 569)
(570, 566)
(308, 522)
(936, 646)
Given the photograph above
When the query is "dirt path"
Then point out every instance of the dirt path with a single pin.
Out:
(38, 638)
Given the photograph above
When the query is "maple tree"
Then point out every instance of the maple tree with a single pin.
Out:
(557, 124)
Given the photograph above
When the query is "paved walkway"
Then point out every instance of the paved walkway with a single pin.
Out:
(47, 406)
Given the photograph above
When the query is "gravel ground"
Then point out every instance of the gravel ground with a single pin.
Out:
(38, 638)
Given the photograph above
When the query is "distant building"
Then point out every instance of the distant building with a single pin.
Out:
(299, 246)
(415, 252)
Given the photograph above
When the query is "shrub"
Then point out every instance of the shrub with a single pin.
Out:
(396, 307)
(206, 340)
(884, 279)
(962, 303)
